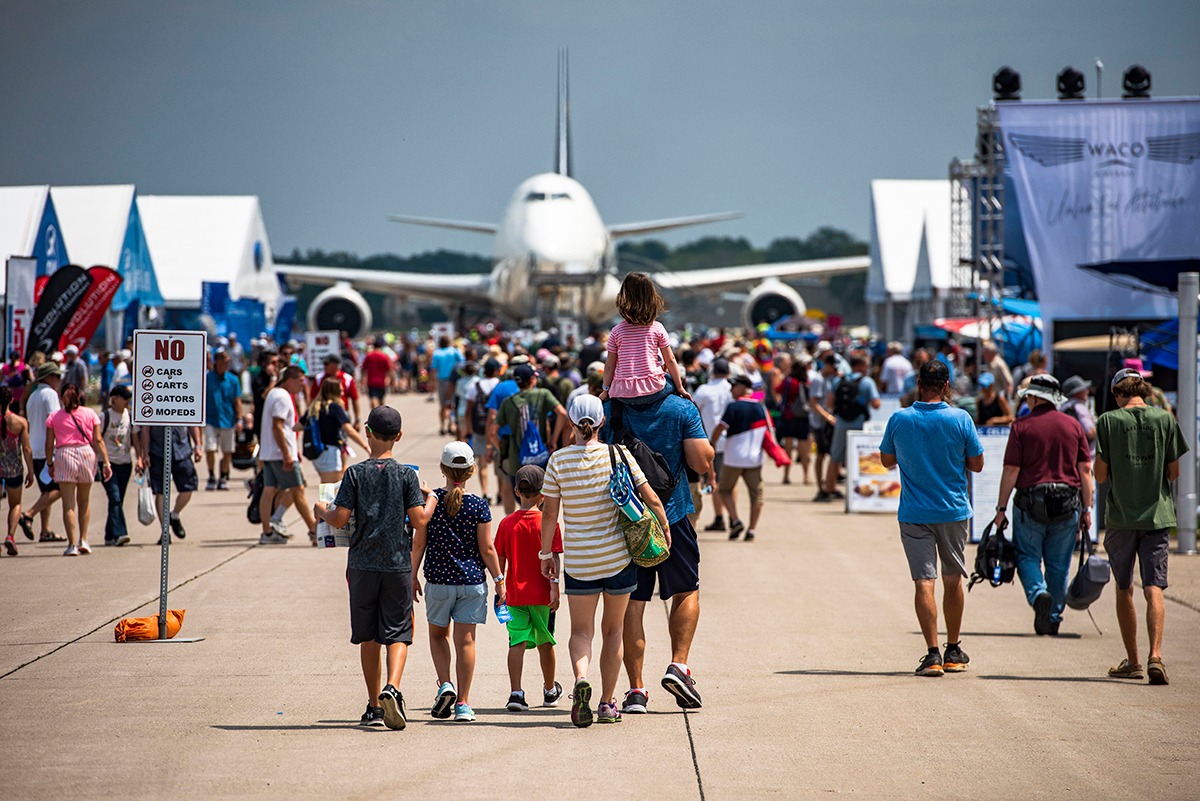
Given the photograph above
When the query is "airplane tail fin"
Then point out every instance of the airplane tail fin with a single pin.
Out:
(562, 156)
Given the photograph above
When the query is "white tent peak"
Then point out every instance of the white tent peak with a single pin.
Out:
(96, 218)
(195, 238)
(910, 240)
(20, 216)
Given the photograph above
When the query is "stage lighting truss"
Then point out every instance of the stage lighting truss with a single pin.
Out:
(977, 219)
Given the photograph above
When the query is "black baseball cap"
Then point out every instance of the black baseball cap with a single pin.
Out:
(384, 422)
(529, 479)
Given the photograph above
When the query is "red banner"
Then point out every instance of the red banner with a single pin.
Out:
(95, 303)
(39, 286)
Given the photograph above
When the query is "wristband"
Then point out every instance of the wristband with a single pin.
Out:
(553, 581)
(1001, 508)
(498, 578)
(544, 556)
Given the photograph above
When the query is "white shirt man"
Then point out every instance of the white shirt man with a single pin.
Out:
(895, 369)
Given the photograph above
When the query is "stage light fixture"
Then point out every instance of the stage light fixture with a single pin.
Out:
(1070, 84)
(1136, 82)
(1006, 84)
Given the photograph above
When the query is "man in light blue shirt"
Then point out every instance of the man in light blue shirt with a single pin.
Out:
(935, 445)
(444, 364)
(222, 414)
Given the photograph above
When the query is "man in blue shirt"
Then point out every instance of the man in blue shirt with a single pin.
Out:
(671, 426)
(222, 414)
(444, 364)
(497, 434)
(851, 409)
(935, 445)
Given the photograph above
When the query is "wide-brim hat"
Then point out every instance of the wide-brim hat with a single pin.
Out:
(47, 369)
(1075, 384)
(1044, 386)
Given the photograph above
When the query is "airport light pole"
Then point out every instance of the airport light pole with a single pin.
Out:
(1185, 493)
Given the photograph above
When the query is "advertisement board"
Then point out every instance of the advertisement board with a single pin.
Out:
(870, 487)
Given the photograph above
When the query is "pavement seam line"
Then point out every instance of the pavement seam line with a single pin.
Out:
(687, 725)
(183, 583)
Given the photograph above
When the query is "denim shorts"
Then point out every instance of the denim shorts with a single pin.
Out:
(462, 603)
(622, 583)
(330, 460)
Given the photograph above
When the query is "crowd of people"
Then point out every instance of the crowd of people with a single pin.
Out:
(541, 423)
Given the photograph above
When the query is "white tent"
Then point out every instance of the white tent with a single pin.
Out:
(96, 218)
(910, 250)
(208, 238)
(29, 227)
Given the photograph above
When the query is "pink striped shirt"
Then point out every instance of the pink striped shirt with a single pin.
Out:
(639, 369)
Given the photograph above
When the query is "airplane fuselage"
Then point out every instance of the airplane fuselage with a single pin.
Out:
(553, 255)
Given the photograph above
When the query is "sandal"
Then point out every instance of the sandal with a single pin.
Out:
(312, 537)
(1125, 670)
(51, 536)
(26, 523)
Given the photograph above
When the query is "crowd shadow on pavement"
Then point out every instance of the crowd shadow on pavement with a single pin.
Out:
(1065, 635)
(843, 672)
(1084, 679)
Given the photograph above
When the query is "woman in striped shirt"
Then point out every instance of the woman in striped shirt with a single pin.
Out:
(595, 559)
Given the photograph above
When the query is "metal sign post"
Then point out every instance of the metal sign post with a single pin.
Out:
(170, 369)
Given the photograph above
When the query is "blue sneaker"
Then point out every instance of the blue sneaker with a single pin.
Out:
(463, 712)
(443, 705)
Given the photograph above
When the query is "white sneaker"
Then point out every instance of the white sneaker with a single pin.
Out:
(271, 539)
(71, 551)
(280, 529)
(84, 547)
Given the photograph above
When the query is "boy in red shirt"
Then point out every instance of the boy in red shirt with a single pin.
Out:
(531, 597)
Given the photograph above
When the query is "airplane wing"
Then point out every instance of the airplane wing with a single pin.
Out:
(471, 287)
(457, 225)
(654, 226)
(743, 276)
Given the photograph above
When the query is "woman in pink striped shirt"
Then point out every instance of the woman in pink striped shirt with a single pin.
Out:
(640, 353)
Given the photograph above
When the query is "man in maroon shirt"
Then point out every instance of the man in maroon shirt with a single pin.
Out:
(1049, 463)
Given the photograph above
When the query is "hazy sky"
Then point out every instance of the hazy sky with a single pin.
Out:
(338, 113)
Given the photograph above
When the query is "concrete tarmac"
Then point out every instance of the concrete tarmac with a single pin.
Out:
(804, 657)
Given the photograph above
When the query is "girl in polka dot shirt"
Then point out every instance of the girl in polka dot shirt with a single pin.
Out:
(458, 553)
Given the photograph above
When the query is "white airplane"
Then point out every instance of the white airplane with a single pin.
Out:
(555, 258)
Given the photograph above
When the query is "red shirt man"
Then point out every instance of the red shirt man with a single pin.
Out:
(333, 369)
(376, 370)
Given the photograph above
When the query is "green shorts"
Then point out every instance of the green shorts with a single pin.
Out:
(530, 625)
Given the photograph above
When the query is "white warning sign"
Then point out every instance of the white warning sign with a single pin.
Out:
(169, 369)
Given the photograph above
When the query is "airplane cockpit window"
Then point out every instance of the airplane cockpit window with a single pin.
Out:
(532, 196)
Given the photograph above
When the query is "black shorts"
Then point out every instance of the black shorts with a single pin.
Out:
(44, 486)
(381, 606)
(824, 438)
(795, 428)
(680, 573)
(1149, 547)
(183, 475)
(376, 392)
(13, 482)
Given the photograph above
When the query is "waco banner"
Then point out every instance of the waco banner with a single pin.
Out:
(92, 307)
(18, 293)
(1103, 181)
(60, 298)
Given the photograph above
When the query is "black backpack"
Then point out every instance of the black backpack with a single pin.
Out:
(254, 491)
(846, 404)
(653, 465)
(312, 446)
(800, 402)
(479, 411)
(995, 561)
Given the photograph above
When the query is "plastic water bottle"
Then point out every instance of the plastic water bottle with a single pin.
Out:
(996, 575)
(502, 613)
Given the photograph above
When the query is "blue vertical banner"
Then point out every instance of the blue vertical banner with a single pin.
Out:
(50, 250)
(246, 318)
(214, 301)
(130, 322)
(285, 318)
(136, 268)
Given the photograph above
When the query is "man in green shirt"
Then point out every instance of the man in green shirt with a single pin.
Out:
(1139, 447)
(531, 404)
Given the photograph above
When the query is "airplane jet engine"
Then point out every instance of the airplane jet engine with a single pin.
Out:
(340, 308)
(770, 301)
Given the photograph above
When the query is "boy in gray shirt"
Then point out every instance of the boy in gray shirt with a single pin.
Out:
(379, 491)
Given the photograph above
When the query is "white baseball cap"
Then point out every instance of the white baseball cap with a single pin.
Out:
(586, 407)
(457, 455)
